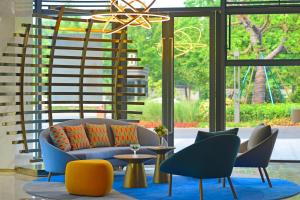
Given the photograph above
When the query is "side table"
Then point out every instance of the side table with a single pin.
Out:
(161, 151)
(135, 176)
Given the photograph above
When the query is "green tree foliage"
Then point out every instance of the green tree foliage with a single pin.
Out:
(202, 3)
(192, 54)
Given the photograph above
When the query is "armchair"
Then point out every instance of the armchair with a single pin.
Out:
(213, 157)
(258, 156)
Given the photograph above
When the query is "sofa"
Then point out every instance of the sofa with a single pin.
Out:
(55, 160)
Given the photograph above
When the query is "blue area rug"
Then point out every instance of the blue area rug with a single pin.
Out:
(185, 188)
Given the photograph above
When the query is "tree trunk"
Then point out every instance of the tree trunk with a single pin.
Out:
(259, 90)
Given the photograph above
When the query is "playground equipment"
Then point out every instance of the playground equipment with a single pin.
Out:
(273, 81)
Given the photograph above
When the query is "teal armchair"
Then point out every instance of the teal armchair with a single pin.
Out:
(213, 157)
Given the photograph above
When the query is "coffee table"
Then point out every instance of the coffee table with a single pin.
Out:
(135, 176)
(160, 177)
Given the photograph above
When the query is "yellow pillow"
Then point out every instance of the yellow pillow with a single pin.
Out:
(125, 135)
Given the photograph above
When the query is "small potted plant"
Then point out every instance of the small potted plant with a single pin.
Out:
(161, 132)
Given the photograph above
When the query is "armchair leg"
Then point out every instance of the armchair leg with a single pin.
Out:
(261, 175)
(267, 177)
(224, 182)
(231, 187)
(201, 189)
(49, 176)
(170, 184)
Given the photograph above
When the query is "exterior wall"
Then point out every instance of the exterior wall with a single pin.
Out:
(12, 14)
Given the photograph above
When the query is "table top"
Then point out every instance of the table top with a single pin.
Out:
(137, 157)
(161, 149)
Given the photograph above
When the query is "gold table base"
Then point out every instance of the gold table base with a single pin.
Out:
(159, 177)
(135, 176)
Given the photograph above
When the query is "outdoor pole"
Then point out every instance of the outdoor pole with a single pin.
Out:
(236, 90)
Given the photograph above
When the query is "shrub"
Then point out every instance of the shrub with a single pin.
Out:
(295, 97)
(260, 112)
(198, 111)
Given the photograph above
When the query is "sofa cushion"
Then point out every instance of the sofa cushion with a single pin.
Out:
(125, 135)
(106, 152)
(204, 135)
(77, 137)
(60, 138)
(97, 135)
(259, 134)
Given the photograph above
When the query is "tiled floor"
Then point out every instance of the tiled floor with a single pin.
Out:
(11, 184)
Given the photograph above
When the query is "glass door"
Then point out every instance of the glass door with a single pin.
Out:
(192, 63)
(191, 78)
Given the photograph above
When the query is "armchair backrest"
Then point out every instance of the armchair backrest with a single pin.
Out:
(260, 155)
(213, 157)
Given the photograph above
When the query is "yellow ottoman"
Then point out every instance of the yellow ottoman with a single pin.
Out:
(89, 177)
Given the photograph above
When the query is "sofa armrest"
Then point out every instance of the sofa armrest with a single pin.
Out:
(55, 160)
(147, 137)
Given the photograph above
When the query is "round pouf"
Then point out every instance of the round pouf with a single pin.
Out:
(89, 177)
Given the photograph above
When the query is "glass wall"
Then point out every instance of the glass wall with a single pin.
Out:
(265, 95)
(191, 77)
(148, 44)
(273, 36)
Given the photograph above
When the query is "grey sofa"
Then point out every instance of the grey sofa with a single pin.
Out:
(55, 160)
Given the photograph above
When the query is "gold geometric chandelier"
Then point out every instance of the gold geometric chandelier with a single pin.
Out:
(126, 13)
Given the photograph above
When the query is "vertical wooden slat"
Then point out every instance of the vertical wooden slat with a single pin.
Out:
(22, 80)
(51, 61)
(82, 65)
(116, 73)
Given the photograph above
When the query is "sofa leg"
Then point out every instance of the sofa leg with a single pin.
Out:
(267, 176)
(201, 189)
(224, 182)
(231, 187)
(49, 176)
(261, 175)
(170, 184)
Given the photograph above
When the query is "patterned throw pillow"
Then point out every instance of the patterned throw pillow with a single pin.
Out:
(59, 138)
(97, 135)
(77, 137)
(125, 135)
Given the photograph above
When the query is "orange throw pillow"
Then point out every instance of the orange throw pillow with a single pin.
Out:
(59, 138)
(77, 137)
(125, 135)
(97, 134)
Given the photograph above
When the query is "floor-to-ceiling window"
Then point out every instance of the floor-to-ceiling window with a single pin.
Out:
(191, 77)
(148, 44)
(264, 92)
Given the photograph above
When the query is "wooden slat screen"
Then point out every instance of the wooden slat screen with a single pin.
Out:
(68, 74)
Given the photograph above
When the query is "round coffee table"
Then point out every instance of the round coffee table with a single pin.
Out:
(160, 177)
(135, 176)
